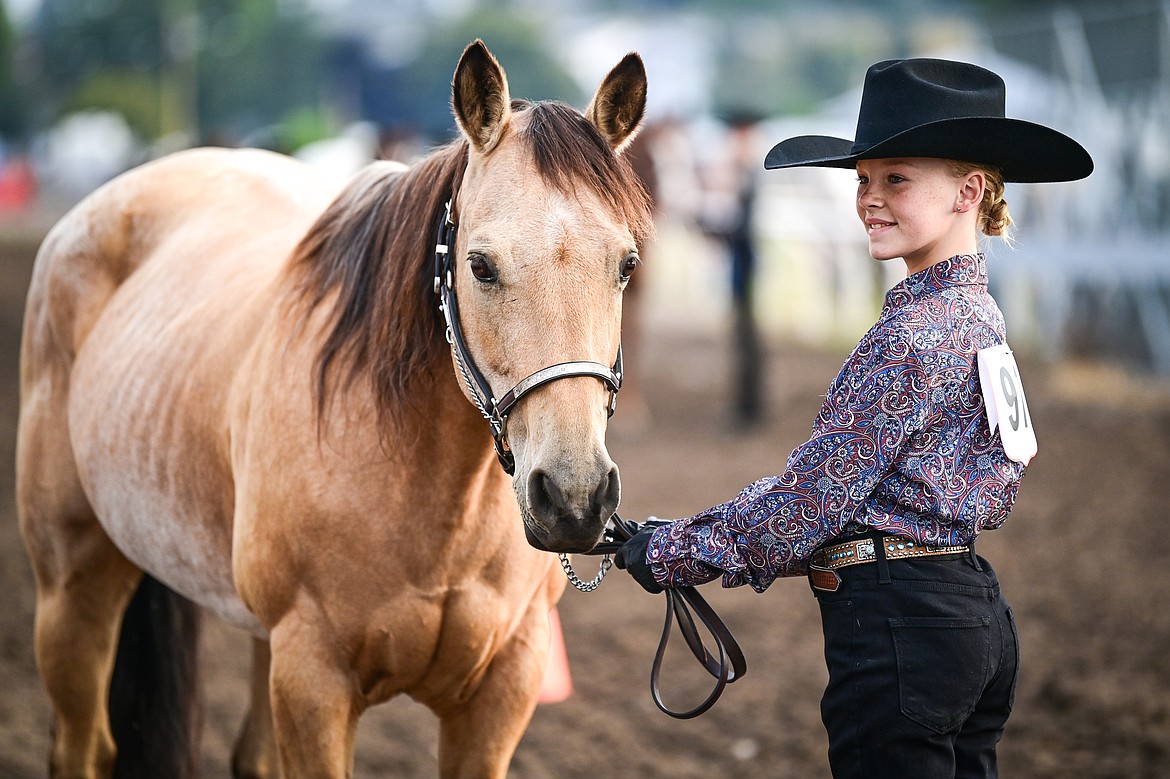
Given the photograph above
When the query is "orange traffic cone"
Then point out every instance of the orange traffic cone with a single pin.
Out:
(558, 682)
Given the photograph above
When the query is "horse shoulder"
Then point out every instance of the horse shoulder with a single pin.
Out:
(410, 553)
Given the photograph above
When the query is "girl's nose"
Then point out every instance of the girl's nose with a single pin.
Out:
(867, 196)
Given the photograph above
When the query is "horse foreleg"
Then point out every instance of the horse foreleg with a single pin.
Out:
(477, 739)
(254, 756)
(315, 706)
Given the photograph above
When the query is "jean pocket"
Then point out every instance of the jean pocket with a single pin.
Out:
(943, 666)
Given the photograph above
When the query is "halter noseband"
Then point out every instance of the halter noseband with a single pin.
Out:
(494, 410)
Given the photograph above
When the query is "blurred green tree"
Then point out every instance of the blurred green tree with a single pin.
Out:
(216, 69)
(516, 38)
(12, 100)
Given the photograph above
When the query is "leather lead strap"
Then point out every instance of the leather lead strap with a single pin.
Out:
(683, 606)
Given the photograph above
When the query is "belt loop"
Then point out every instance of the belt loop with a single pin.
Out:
(974, 557)
(879, 549)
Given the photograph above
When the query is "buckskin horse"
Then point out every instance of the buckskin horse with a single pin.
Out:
(237, 385)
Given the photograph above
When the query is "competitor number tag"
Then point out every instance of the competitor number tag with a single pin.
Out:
(1003, 394)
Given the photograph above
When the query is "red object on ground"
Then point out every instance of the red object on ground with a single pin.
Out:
(558, 681)
(18, 185)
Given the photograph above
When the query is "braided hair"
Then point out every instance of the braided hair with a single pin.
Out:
(994, 218)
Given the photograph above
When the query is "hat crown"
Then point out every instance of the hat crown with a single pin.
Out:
(903, 94)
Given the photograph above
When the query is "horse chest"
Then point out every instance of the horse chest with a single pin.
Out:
(440, 647)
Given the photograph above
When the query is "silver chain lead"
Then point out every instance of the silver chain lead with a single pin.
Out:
(577, 581)
(480, 403)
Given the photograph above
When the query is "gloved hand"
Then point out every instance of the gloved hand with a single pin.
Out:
(631, 557)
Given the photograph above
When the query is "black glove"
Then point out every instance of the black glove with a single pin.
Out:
(632, 558)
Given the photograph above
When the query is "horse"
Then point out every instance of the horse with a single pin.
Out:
(236, 383)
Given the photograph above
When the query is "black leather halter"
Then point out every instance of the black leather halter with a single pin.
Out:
(729, 665)
(495, 410)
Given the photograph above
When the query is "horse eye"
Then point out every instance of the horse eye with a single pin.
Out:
(629, 265)
(482, 269)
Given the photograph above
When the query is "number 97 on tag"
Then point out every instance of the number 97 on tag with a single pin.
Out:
(1007, 408)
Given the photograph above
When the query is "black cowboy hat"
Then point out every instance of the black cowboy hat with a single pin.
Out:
(941, 109)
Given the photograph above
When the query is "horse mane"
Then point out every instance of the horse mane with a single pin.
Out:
(368, 259)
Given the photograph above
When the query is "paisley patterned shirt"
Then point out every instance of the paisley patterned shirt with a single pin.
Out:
(901, 445)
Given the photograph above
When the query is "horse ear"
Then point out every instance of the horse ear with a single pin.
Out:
(619, 106)
(479, 97)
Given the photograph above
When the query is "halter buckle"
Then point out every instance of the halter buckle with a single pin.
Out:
(443, 249)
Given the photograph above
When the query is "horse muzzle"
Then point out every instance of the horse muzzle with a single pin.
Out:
(564, 514)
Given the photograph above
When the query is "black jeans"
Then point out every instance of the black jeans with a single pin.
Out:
(922, 668)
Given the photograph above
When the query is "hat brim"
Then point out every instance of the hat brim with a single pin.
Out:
(1023, 151)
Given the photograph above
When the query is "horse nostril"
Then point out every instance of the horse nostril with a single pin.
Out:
(545, 497)
(605, 498)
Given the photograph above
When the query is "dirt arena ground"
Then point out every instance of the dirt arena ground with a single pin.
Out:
(1083, 560)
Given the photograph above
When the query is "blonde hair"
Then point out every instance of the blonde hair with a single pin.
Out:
(994, 218)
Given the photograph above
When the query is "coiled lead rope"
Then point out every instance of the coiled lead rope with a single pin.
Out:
(683, 605)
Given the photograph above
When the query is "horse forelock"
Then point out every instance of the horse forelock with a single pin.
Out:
(570, 152)
(366, 262)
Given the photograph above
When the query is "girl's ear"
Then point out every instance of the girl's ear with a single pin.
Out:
(972, 185)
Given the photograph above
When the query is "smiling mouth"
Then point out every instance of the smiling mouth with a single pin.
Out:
(873, 227)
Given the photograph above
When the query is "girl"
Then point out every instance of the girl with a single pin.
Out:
(920, 444)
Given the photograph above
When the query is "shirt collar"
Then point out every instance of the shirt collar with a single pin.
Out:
(960, 270)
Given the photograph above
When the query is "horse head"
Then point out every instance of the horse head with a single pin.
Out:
(551, 220)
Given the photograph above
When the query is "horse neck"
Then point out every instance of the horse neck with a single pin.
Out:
(450, 425)
(361, 277)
